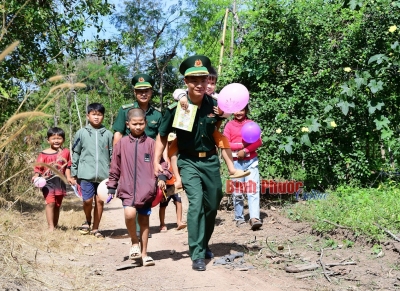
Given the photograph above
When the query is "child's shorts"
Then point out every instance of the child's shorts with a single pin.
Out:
(54, 191)
(88, 189)
(175, 197)
(142, 211)
(50, 197)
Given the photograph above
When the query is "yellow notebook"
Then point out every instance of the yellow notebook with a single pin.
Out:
(184, 119)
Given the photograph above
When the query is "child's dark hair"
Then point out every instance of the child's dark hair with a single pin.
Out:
(55, 131)
(212, 73)
(96, 107)
(135, 112)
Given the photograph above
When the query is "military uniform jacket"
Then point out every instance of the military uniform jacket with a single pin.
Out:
(153, 118)
(200, 139)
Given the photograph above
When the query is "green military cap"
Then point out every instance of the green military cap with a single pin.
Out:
(195, 66)
(142, 81)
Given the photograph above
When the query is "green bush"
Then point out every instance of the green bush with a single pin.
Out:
(356, 208)
(323, 78)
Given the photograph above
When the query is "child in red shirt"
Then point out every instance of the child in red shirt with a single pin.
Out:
(55, 188)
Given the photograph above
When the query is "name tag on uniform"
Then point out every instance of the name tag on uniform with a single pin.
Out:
(147, 157)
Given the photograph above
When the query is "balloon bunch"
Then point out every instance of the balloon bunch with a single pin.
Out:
(233, 98)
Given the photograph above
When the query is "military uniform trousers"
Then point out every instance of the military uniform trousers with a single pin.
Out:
(202, 181)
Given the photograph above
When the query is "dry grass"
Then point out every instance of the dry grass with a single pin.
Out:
(31, 258)
(24, 115)
(8, 50)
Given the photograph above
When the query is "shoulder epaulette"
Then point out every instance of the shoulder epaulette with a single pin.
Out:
(128, 105)
(173, 105)
(156, 109)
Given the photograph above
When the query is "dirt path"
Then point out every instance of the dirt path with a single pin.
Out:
(173, 265)
(66, 260)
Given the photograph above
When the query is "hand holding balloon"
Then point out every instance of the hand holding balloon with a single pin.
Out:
(39, 182)
(159, 197)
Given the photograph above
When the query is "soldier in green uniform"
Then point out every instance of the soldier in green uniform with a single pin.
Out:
(143, 90)
(198, 161)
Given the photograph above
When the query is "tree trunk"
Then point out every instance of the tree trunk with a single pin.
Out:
(87, 104)
(69, 104)
(233, 28)
(221, 54)
(161, 89)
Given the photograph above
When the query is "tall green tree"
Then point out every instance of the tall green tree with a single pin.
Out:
(205, 28)
(105, 84)
(151, 36)
(49, 31)
(323, 80)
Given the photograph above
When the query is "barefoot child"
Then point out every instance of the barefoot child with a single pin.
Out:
(219, 138)
(168, 185)
(55, 188)
(132, 173)
(91, 155)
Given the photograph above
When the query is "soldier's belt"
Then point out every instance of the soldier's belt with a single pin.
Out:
(199, 154)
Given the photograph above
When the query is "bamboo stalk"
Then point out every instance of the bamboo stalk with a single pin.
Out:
(221, 54)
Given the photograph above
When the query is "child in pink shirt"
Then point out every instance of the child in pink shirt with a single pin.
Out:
(244, 158)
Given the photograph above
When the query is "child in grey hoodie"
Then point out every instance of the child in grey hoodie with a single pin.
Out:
(91, 157)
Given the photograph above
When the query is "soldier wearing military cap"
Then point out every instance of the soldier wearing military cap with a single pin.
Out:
(198, 162)
(143, 90)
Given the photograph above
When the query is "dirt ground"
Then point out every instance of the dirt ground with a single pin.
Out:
(92, 263)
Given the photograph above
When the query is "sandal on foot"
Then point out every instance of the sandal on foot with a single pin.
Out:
(148, 261)
(178, 190)
(240, 174)
(240, 223)
(181, 226)
(135, 252)
(97, 234)
(255, 223)
(163, 228)
(85, 228)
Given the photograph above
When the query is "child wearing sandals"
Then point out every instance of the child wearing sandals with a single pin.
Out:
(91, 157)
(132, 173)
(220, 140)
(55, 188)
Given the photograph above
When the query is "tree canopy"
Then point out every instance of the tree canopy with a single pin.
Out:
(323, 75)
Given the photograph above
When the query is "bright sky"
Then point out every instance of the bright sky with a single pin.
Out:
(108, 28)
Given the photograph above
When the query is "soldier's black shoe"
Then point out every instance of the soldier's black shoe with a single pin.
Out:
(209, 254)
(199, 265)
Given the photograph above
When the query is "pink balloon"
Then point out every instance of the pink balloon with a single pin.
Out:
(39, 182)
(251, 132)
(159, 197)
(233, 98)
